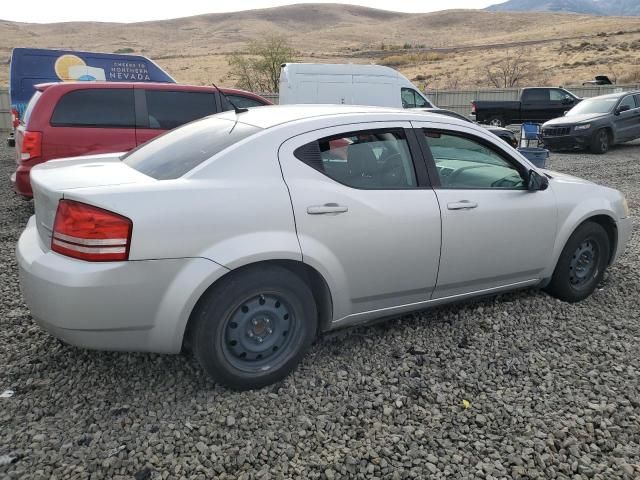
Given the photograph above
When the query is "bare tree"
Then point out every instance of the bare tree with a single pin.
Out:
(509, 71)
(258, 69)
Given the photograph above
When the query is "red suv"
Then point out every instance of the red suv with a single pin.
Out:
(81, 118)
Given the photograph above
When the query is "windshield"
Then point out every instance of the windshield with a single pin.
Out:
(178, 151)
(593, 105)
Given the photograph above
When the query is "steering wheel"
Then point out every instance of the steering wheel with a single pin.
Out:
(510, 181)
(393, 166)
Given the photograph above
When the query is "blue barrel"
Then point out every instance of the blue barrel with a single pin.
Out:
(537, 156)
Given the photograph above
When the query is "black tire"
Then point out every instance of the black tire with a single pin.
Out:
(496, 121)
(572, 281)
(600, 142)
(225, 327)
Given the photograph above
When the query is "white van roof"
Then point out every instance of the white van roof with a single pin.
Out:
(341, 69)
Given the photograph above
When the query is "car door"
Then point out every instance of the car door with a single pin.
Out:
(159, 110)
(534, 104)
(366, 217)
(627, 122)
(495, 233)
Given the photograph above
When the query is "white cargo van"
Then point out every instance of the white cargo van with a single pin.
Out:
(348, 84)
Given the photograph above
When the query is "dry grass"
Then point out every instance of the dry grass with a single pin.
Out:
(194, 49)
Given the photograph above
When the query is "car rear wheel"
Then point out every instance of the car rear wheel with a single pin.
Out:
(496, 121)
(254, 328)
(582, 263)
(600, 142)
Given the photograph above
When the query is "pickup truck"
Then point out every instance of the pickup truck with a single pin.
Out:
(537, 104)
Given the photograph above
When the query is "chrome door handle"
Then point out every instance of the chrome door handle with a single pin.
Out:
(327, 208)
(462, 205)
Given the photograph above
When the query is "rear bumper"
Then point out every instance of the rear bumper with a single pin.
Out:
(130, 306)
(21, 180)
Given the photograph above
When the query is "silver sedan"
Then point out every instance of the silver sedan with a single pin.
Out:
(242, 236)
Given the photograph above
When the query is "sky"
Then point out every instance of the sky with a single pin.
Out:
(47, 11)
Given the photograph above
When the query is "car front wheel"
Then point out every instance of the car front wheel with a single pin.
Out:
(600, 142)
(254, 327)
(582, 263)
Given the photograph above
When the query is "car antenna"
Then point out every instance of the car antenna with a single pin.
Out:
(235, 107)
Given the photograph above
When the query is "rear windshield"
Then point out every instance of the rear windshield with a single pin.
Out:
(30, 106)
(178, 151)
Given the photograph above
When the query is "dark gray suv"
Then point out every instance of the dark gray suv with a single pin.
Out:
(595, 123)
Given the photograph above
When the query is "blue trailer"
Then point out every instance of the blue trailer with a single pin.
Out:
(31, 66)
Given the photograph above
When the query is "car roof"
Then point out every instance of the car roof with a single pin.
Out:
(274, 115)
(616, 95)
(67, 86)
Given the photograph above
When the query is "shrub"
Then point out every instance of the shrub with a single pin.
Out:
(125, 50)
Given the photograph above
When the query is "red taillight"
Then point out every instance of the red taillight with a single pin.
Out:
(473, 107)
(15, 117)
(90, 233)
(31, 145)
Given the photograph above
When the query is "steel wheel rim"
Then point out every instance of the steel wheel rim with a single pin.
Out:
(583, 266)
(496, 122)
(258, 332)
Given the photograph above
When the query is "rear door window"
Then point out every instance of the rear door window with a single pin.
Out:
(169, 109)
(106, 108)
(368, 159)
(536, 95)
(178, 151)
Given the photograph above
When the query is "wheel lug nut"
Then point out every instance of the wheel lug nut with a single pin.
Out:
(250, 334)
(259, 339)
(269, 331)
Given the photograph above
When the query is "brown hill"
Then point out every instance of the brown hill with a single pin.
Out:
(194, 49)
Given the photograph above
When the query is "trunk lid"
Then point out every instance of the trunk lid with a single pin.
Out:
(52, 179)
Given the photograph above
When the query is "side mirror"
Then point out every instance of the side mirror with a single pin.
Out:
(536, 182)
(567, 101)
(622, 108)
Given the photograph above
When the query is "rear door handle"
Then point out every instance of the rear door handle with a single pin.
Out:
(462, 205)
(327, 208)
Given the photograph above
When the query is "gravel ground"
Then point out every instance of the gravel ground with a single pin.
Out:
(517, 386)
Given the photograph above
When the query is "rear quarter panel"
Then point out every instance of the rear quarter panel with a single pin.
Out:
(233, 210)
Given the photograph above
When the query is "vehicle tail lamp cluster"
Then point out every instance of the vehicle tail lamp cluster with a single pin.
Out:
(90, 233)
(473, 107)
(15, 118)
(31, 147)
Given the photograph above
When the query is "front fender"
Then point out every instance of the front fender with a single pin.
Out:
(573, 218)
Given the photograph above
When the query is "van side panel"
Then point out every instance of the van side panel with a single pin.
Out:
(374, 85)
(378, 90)
(31, 66)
